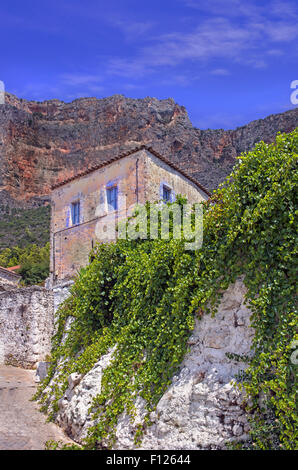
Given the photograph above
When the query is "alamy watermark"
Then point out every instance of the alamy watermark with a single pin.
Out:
(2, 92)
(153, 221)
(2, 352)
(294, 94)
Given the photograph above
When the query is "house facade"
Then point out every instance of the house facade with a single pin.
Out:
(86, 205)
(8, 278)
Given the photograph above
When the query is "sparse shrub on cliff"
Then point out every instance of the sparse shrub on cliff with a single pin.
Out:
(144, 295)
(23, 227)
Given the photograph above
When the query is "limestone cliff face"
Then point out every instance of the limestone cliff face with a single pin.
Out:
(43, 143)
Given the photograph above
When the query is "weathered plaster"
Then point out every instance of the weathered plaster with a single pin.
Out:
(158, 172)
(138, 177)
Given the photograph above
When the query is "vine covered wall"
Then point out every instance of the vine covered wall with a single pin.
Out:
(144, 297)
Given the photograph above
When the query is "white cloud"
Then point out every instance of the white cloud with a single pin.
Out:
(220, 120)
(179, 79)
(134, 68)
(250, 9)
(75, 79)
(221, 72)
(132, 29)
(69, 86)
(213, 39)
(274, 52)
(221, 36)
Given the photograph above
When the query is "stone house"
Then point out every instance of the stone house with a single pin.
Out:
(85, 204)
(8, 278)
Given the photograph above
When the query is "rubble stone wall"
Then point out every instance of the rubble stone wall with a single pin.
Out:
(202, 409)
(26, 326)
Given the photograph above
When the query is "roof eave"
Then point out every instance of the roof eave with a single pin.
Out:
(126, 154)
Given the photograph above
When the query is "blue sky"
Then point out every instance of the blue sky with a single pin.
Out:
(228, 62)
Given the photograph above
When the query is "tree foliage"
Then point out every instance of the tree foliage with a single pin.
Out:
(34, 262)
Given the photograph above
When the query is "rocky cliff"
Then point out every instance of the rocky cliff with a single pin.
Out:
(42, 143)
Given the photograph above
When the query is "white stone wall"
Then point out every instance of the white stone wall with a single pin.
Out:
(60, 293)
(26, 326)
(202, 408)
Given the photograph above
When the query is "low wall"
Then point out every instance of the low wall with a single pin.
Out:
(26, 326)
(60, 293)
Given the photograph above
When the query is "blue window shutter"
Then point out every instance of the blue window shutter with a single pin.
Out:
(112, 197)
(78, 212)
(75, 213)
(166, 194)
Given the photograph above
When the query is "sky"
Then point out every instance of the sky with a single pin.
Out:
(228, 62)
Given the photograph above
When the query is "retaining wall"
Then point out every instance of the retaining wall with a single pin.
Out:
(26, 326)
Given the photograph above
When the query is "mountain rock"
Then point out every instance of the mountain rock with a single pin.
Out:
(42, 143)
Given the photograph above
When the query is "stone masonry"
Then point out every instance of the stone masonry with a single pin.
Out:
(26, 326)
(8, 279)
(138, 176)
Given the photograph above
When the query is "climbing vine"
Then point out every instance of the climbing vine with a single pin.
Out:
(140, 297)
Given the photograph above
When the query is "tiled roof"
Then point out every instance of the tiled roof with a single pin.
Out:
(13, 268)
(126, 154)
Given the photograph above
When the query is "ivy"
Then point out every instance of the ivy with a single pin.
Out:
(141, 297)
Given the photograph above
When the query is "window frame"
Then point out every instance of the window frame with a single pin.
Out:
(75, 212)
(169, 191)
(109, 191)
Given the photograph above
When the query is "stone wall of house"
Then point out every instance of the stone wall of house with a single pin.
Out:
(8, 280)
(26, 326)
(139, 178)
(71, 245)
(158, 173)
(202, 407)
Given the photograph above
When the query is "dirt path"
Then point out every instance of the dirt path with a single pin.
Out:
(22, 426)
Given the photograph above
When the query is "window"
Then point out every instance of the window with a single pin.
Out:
(75, 213)
(112, 197)
(166, 194)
